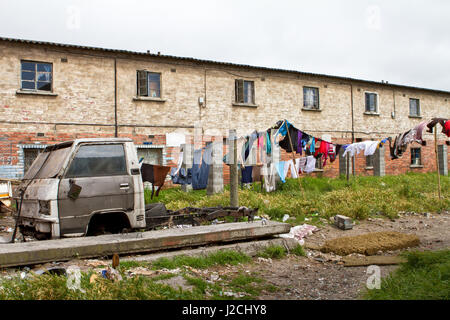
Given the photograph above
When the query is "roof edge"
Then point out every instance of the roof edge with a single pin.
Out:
(235, 65)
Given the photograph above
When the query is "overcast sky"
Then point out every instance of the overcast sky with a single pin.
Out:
(403, 42)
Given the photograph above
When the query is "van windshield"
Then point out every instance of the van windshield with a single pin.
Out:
(48, 164)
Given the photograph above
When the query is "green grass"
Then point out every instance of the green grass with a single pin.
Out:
(217, 258)
(51, 287)
(425, 276)
(299, 251)
(273, 252)
(362, 197)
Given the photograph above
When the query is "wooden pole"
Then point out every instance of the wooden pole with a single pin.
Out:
(293, 159)
(437, 162)
(234, 177)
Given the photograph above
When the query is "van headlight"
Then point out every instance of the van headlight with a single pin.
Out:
(44, 207)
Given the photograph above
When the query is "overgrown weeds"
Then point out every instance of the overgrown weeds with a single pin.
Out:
(362, 197)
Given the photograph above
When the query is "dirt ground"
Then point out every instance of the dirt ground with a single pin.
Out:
(323, 275)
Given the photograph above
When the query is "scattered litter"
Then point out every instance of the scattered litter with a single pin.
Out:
(233, 294)
(93, 278)
(285, 217)
(343, 222)
(140, 271)
(300, 232)
(214, 276)
(172, 271)
(111, 274)
(95, 263)
(53, 270)
(261, 259)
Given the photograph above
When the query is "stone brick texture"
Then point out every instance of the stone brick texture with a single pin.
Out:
(84, 105)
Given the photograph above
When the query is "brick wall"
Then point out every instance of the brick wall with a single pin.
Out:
(83, 104)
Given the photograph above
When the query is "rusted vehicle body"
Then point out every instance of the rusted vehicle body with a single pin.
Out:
(82, 187)
(94, 186)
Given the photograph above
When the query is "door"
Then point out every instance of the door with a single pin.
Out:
(99, 173)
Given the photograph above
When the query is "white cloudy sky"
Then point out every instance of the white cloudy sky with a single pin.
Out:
(403, 42)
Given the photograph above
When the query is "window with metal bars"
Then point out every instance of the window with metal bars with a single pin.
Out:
(244, 91)
(371, 102)
(310, 98)
(414, 107)
(148, 84)
(36, 76)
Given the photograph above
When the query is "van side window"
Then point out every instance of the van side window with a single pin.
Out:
(98, 160)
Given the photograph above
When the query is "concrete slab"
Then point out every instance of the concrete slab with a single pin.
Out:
(88, 247)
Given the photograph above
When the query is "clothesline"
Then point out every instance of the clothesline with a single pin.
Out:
(330, 149)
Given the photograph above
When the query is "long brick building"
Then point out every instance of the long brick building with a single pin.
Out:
(52, 92)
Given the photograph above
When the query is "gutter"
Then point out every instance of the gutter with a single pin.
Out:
(115, 99)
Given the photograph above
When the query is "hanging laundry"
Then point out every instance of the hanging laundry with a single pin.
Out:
(280, 170)
(313, 146)
(299, 142)
(322, 149)
(200, 173)
(283, 129)
(353, 149)
(268, 143)
(418, 132)
(447, 128)
(434, 122)
(247, 174)
(181, 176)
(289, 139)
(330, 154)
(269, 173)
(289, 165)
(306, 165)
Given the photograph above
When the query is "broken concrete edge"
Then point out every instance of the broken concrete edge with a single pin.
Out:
(22, 254)
(250, 248)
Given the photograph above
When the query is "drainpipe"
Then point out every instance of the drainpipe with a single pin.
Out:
(115, 99)
(353, 128)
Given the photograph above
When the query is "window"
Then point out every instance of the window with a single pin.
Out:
(369, 162)
(148, 84)
(150, 155)
(371, 102)
(98, 160)
(244, 91)
(29, 155)
(310, 98)
(414, 107)
(36, 76)
(415, 157)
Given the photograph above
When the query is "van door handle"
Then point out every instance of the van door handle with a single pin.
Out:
(124, 186)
